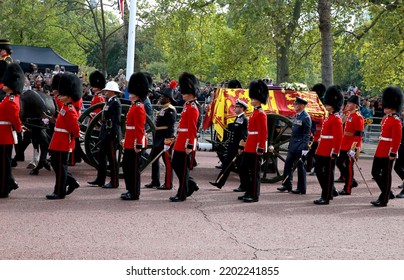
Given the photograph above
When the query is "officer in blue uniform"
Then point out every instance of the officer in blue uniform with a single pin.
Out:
(298, 147)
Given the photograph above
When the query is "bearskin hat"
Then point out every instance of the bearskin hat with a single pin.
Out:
(139, 85)
(14, 78)
(97, 80)
(3, 68)
(189, 84)
(333, 97)
(258, 90)
(55, 81)
(392, 98)
(353, 99)
(149, 78)
(234, 84)
(70, 85)
(319, 89)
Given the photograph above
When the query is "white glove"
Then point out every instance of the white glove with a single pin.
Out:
(304, 152)
(351, 153)
(166, 148)
(271, 149)
(45, 120)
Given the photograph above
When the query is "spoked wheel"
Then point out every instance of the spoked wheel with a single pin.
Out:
(92, 142)
(84, 121)
(279, 133)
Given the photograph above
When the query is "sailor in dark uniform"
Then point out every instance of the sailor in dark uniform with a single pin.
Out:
(110, 135)
(238, 132)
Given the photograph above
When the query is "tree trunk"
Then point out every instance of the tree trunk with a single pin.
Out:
(324, 12)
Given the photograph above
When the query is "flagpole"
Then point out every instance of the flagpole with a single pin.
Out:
(130, 60)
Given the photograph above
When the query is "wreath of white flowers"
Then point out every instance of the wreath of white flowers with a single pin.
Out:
(294, 86)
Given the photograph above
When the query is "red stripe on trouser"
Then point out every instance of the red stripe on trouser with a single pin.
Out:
(169, 171)
(350, 175)
(3, 171)
(255, 178)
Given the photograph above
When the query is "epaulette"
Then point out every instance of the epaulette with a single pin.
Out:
(138, 103)
(11, 97)
(261, 110)
(396, 116)
(193, 104)
(70, 106)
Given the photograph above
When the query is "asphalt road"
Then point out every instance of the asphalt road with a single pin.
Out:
(93, 223)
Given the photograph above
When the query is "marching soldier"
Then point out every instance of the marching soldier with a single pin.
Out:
(329, 144)
(238, 132)
(135, 135)
(298, 147)
(10, 124)
(97, 83)
(185, 144)
(65, 132)
(110, 135)
(351, 144)
(163, 139)
(389, 142)
(5, 51)
(256, 143)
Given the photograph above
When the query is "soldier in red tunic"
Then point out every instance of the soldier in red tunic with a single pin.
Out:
(97, 82)
(389, 142)
(329, 144)
(351, 144)
(10, 124)
(186, 139)
(135, 135)
(65, 132)
(256, 143)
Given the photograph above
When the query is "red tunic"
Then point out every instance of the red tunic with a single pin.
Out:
(257, 132)
(98, 98)
(78, 105)
(187, 129)
(135, 135)
(354, 125)
(59, 103)
(66, 129)
(317, 133)
(390, 136)
(331, 136)
(9, 118)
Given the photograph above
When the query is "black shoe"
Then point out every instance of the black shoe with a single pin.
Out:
(392, 196)
(379, 204)
(340, 180)
(284, 189)
(14, 163)
(34, 171)
(297, 191)
(219, 166)
(110, 186)
(129, 196)
(321, 201)
(217, 185)
(177, 199)
(343, 192)
(335, 193)
(152, 185)
(54, 196)
(95, 182)
(72, 187)
(46, 166)
(191, 190)
(375, 202)
(400, 195)
(239, 190)
(3, 195)
(250, 199)
(241, 197)
(312, 174)
(14, 185)
(354, 184)
(401, 186)
(163, 187)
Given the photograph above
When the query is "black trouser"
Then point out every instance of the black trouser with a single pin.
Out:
(107, 152)
(131, 171)
(228, 166)
(346, 165)
(156, 166)
(5, 168)
(381, 171)
(59, 162)
(250, 174)
(301, 171)
(181, 162)
(311, 159)
(399, 165)
(325, 167)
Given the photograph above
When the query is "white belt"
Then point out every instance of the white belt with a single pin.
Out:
(385, 139)
(61, 130)
(5, 123)
(253, 133)
(327, 137)
(182, 130)
(128, 127)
